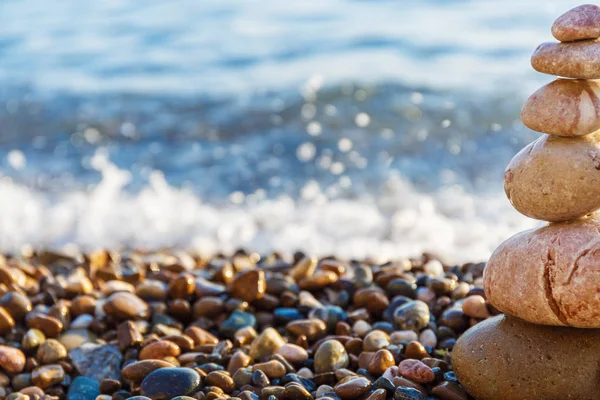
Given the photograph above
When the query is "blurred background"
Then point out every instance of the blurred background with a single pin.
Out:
(347, 127)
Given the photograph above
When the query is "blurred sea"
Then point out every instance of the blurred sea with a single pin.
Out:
(356, 128)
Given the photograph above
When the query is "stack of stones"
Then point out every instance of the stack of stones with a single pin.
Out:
(547, 280)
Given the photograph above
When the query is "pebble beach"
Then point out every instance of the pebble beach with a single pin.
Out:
(160, 326)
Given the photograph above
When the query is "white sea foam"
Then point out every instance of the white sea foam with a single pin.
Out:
(397, 222)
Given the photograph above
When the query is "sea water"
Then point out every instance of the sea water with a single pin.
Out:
(356, 128)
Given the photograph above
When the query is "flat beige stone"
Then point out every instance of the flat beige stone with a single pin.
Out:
(550, 275)
(579, 60)
(564, 107)
(504, 358)
(581, 22)
(556, 179)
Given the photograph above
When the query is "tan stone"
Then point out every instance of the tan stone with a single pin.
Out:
(564, 107)
(504, 358)
(549, 275)
(137, 371)
(249, 285)
(556, 179)
(581, 22)
(266, 344)
(579, 60)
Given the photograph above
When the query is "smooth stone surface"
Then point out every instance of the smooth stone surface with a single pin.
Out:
(76, 337)
(166, 383)
(266, 344)
(352, 389)
(249, 285)
(416, 371)
(413, 315)
(579, 60)
(137, 371)
(97, 361)
(504, 358)
(408, 393)
(331, 356)
(12, 360)
(549, 275)
(564, 107)
(124, 305)
(555, 179)
(83, 388)
(47, 375)
(293, 353)
(581, 22)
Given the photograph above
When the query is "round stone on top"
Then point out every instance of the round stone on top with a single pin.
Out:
(581, 22)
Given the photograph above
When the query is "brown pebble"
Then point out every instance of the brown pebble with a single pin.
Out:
(273, 369)
(124, 305)
(296, 392)
(50, 351)
(248, 286)
(32, 391)
(353, 388)
(47, 375)
(376, 340)
(380, 362)
(49, 325)
(238, 360)
(379, 394)
(17, 304)
(449, 391)
(579, 60)
(209, 306)
(364, 359)
(109, 386)
(293, 353)
(137, 371)
(12, 360)
(200, 336)
(128, 335)
(182, 287)
(159, 350)
(415, 350)
(311, 328)
(475, 306)
(373, 300)
(266, 344)
(319, 280)
(402, 381)
(83, 305)
(220, 379)
(416, 371)
(305, 267)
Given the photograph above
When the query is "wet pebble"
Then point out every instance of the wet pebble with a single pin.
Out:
(166, 383)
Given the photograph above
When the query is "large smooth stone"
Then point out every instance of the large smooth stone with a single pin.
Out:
(579, 60)
(581, 22)
(556, 179)
(504, 358)
(166, 383)
(549, 275)
(564, 107)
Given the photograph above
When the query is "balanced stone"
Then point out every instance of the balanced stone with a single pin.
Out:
(556, 179)
(564, 107)
(581, 22)
(579, 60)
(549, 275)
(504, 358)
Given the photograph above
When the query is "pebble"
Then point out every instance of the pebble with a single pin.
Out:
(293, 353)
(97, 361)
(353, 388)
(83, 388)
(248, 286)
(416, 371)
(76, 337)
(381, 361)
(361, 327)
(398, 337)
(273, 369)
(428, 338)
(378, 394)
(12, 360)
(124, 305)
(32, 339)
(47, 375)
(304, 268)
(209, 306)
(159, 350)
(475, 307)
(200, 336)
(311, 328)
(581, 22)
(166, 383)
(17, 304)
(413, 315)
(50, 351)
(296, 392)
(266, 344)
(330, 356)
(137, 371)
(449, 391)
(7, 322)
(578, 60)
(220, 379)
(376, 340)
(51, 326)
